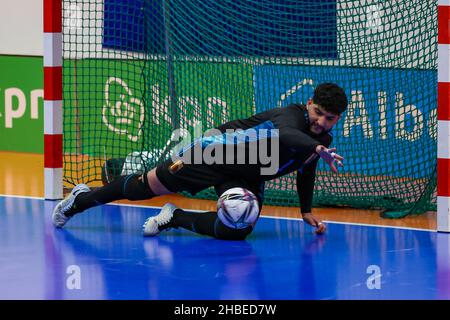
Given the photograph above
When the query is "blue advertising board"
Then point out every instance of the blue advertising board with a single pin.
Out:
(390, 122)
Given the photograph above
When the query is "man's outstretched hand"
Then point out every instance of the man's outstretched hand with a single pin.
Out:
(315, 222)
(330, 157)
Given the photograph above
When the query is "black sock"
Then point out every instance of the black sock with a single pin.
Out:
(207, 223)
(131, 187)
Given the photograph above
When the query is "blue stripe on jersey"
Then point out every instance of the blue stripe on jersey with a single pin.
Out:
(285, 165)
(238, 136)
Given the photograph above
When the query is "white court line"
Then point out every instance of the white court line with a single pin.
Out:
(143, 206)
(288, 218)
(25, 197)
(355, 224)
(265, 216)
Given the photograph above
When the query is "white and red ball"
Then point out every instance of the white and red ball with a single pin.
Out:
(238, 208)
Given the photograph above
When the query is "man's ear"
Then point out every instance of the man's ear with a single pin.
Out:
(310, 102)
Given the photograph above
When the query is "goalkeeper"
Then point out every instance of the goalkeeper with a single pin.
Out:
(302, 135)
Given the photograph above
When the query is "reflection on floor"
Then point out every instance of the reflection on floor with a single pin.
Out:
(101, 254)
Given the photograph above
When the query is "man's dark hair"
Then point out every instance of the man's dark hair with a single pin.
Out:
(331, 98)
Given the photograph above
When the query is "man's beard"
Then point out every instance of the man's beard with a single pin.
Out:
(322, 130)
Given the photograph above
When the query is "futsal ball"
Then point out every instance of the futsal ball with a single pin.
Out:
(238, 208)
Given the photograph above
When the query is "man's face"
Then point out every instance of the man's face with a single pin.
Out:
(320, 120)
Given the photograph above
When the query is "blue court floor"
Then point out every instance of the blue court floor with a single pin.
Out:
(101, 254)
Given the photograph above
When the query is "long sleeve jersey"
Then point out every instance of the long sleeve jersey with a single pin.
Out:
(296, 149)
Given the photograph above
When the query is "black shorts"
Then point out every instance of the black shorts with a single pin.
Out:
(194, 178)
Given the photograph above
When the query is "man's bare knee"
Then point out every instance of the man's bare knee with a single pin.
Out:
(155, 185)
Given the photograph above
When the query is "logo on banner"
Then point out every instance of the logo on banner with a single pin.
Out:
(122, 113)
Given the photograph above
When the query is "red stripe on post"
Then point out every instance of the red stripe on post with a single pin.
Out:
(52, 83)
(443, 170)
(443, 24)
(443, 101)
(53, 144)
(52, 15)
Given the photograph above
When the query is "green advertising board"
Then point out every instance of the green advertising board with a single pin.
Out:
(114, 107)
(21, 104)
(93, 89)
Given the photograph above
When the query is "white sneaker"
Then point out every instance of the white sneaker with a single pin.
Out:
(152, 224)
(58, 217)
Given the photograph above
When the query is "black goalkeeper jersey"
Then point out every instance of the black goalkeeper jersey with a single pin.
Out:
(296, 150)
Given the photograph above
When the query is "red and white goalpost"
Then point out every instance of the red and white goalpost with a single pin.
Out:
(53, 144)
(443, 162)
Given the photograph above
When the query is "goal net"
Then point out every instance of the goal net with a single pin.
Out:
(134, 71)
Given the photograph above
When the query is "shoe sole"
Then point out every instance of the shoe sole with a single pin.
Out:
(72, 195)
(167, 207)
